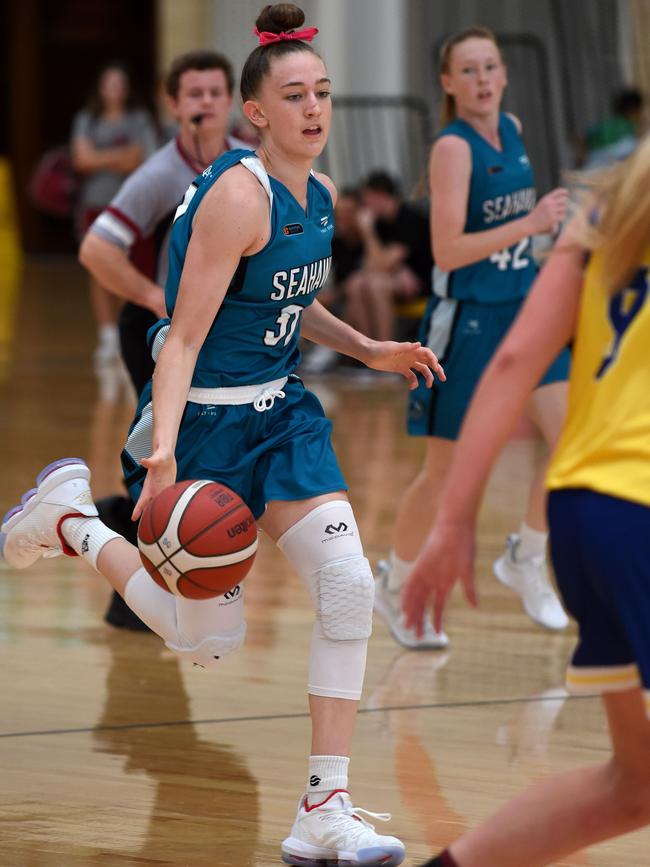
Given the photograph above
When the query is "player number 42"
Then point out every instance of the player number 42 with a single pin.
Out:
(512, 257)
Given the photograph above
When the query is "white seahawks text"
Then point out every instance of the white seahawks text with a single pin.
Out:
(300, 281)
(510, 205)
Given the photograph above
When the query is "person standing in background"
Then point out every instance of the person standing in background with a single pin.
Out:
(125, 249)
(484, 215)
(594, 291)
(110, 138)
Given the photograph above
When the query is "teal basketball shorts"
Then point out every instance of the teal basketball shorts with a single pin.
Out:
(464, 335)
(281, 453)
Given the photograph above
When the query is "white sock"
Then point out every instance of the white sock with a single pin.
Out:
(532, 543)
(87, 536)
(399, 572)
(108, 335)
(326, 774)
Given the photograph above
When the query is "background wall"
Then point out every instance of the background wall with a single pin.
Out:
(565, 59)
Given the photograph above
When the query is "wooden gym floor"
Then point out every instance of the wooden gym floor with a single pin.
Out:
(112, 753)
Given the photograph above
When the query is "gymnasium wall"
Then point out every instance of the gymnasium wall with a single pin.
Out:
(565, 59)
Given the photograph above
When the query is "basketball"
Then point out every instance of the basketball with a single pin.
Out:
(197, 539)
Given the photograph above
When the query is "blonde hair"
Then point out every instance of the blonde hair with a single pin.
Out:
(448, 107)
(620, 233)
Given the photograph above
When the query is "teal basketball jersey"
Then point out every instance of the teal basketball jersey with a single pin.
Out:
(502, 188)
(254, 337)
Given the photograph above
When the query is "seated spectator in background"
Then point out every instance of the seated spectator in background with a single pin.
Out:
(397, 258)
(347, 243)
(347, 259)
(110, 138)
(614, 138)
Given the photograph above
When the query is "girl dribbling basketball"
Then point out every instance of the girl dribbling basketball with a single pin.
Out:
(250, 248)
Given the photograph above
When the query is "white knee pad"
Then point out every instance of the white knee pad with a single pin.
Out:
(325, 549)
(210, 650)
(200, 631)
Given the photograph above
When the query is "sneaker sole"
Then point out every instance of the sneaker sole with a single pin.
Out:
(373, 856)
(385, 613)
(52, 475)
(499, 574)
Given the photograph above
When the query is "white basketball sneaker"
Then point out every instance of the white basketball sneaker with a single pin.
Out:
(529, 578)
(388, 603)
(32, 529)
(334, 832)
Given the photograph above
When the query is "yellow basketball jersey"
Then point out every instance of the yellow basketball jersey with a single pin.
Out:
(605, 445)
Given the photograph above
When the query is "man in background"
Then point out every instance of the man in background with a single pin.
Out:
(125, 249)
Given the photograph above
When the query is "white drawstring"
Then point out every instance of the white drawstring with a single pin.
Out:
(266, 399)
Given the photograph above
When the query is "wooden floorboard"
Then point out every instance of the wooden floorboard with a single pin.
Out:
(113, 753)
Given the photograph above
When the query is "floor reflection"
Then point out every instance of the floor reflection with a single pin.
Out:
(205, 808)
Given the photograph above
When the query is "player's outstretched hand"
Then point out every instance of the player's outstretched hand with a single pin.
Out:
(447, 557)
(161, 473)
(405, 359)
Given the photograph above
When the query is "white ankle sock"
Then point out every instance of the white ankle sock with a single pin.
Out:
(108, 336)
(326, 773)
(399, 572)
(532, 543)
(87, 536)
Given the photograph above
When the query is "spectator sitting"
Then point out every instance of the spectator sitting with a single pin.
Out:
(347, 259)
(397, 258)
(614, 138)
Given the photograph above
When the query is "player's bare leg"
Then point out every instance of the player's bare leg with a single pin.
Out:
(522, 566)
(415, 516)
(570, 811)
(328, 828)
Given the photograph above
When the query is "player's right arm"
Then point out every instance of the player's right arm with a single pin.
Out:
(450, 171)
(111, 267)
(232, 221)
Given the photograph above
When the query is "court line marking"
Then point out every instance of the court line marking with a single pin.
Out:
(290, 716)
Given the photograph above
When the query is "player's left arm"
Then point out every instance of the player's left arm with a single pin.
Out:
(321, 326)
(544, 326)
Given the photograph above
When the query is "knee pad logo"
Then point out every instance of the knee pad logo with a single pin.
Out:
(336, 531)
(231, 595)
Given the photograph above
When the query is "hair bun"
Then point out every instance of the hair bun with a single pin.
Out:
(279, 18)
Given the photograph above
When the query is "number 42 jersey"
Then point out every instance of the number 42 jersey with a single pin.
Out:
(502, 189)
(254, 337)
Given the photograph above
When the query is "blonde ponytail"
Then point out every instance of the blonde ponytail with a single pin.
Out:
(621, 232)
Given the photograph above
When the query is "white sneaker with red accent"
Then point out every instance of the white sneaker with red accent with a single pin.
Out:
(32, 529)
(335, 832)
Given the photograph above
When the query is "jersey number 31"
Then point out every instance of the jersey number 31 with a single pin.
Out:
(285, 325)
